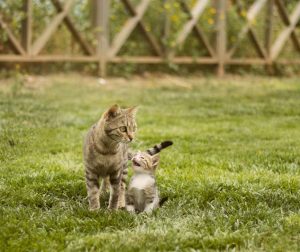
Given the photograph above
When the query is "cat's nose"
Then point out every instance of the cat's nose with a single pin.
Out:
(130, 137)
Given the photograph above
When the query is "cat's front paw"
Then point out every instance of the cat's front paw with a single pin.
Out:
(93, 209)
(121, 205)
(112, 207)
(94, 205)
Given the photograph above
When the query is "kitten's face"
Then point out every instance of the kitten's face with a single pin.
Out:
(142, 162)
(120, 124)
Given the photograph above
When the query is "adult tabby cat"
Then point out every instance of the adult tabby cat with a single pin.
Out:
(143, 194)
(105, 154)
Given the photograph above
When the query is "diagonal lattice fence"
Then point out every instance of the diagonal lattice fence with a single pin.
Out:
(224, 38)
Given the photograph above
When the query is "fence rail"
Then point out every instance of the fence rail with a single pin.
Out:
(106, 51)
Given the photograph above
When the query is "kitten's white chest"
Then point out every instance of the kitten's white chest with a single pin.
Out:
(142, 181)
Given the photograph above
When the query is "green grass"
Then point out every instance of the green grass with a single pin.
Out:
(232, 175)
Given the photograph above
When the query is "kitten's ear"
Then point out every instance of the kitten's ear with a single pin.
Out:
(133, 110)
(155, 160)
(113, 111)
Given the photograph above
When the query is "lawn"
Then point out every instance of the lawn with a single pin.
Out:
(232, 175)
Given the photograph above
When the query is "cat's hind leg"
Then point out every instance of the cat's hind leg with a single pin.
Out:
(105, 186)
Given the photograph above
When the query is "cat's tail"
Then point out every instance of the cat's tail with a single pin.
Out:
(162, 201)
(158, 147)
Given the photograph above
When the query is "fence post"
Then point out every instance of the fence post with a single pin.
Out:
(221, 41)
(26, 34)
(101, 24)
(166, 29)
(268, 34)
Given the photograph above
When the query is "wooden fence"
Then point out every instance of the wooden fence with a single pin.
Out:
(106, 50)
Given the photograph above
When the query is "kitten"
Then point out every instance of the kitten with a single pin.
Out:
(143, 194)
(105, 155)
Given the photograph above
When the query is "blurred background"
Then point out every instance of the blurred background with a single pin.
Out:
(113, 37)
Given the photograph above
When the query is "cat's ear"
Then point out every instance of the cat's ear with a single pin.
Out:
(155, 160)
(113, 111)
(132, 110)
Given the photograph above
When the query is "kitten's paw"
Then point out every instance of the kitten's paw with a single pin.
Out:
(130, 209)
(148, 212)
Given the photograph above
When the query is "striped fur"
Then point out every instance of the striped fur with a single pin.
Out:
(153, 150)
(105, 154)
(159, 147)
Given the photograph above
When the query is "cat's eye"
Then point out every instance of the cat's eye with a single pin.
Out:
(123, 129)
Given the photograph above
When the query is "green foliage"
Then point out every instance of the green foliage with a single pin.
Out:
(163, 19)
(232, 175)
